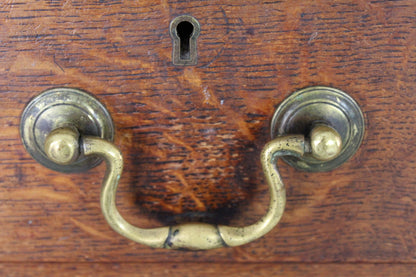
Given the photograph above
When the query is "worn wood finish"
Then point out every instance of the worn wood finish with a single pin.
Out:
(205, 269)
(191, 136)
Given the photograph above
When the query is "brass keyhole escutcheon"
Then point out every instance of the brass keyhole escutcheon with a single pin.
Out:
(184, 31)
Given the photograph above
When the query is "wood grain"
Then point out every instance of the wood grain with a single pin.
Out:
(191, 136)
(205, 269)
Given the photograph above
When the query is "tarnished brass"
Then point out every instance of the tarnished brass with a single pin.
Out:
(64, 107)
(326, 143)
(65, 145)
(62, 145)
(309, 107)
(184, 31)
(194, 236)
(190, 236)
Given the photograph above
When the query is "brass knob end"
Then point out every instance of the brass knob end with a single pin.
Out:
(326, 143)
(62, 145)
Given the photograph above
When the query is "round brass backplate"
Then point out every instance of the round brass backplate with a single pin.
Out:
(62, 107)
(309, 107)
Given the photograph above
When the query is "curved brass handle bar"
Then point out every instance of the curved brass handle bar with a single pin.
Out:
(194, 236)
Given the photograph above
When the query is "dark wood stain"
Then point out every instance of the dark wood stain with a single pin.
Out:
(191, 136)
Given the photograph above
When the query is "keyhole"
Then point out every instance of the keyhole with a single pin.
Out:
(184, 31)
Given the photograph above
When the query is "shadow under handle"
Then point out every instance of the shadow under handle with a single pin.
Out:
(194, 236)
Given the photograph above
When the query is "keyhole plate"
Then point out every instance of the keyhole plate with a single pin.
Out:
(184, 31)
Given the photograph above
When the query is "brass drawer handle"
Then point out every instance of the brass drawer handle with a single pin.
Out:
(61, 143)
(64, 146)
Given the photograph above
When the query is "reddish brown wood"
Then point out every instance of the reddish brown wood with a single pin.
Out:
(204, 269)
(191, 136)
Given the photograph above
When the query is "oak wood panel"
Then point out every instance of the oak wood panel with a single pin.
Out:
(204, 269)
(191, 136)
